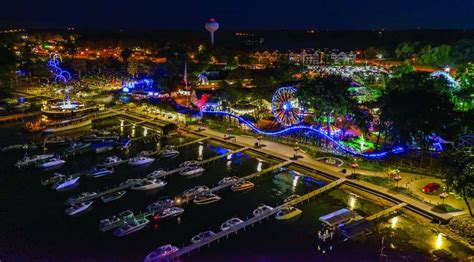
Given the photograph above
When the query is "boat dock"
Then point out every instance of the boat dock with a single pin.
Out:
(103, 193)
(386, 211)
(249, 222)
(18, 117)
(254, 175)
(193, 142)
(223, 155)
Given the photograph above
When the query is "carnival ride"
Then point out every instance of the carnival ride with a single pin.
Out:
(287, 112)
(285, 106)
(60, 75)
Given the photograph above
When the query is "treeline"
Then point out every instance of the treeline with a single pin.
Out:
(454, 54)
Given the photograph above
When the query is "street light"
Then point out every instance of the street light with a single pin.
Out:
(443, 196)
(354, 166)
(296, 149)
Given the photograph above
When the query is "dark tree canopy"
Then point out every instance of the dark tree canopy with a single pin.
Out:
(416, 105)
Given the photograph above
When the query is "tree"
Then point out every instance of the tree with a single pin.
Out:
(79, 66)
(416, 105)
(459, 175)
(403, 69)
(466, 75)
(7, 67)
(373, 52)
(407, 50)
(326, 95)
(126, 54)
(436, 56)
(133, 66)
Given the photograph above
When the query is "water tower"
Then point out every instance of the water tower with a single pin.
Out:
(212, 26)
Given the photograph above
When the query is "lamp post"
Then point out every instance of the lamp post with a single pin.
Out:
(354, 166)
(443, 196)
(296, 149)
(259, 137)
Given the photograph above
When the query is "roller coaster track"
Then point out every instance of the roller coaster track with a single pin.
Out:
(319, 133)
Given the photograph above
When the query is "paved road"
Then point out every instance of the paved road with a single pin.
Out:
(286, 152)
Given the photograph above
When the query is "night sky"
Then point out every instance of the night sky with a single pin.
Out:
(249, 14)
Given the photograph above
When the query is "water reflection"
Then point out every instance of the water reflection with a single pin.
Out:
(229, 162)
(200, 152)
(133, 130)
(439, 241)
(295, 182)
(259, 166)
(352, 202)
(393, 222)
(121, 126)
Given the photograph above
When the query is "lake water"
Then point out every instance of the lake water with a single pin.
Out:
(34, 226)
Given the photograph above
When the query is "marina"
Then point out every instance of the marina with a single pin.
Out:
(215, 160)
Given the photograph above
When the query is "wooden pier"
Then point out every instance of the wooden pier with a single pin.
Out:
(193, 142)
(254, 175)
(249, 222)
(387, 211)
(18, 117)
(103, 193)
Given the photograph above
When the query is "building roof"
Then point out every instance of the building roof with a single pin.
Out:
(355, 229)
(337, 217)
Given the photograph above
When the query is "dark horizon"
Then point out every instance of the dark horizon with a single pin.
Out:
(264, 15)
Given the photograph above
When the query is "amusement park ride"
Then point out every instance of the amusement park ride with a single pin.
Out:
(288, 113)
(72, 114)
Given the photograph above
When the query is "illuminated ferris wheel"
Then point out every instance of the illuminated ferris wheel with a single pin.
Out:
(285, 106)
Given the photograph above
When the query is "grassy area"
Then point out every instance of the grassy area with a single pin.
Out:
(222, 127)
(387, 183)
(445, 208)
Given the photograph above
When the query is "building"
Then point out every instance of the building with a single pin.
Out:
(306, 57)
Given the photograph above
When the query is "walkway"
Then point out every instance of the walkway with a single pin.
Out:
(386, 212)
(284, 152)
(249, 222)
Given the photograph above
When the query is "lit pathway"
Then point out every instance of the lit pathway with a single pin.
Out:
(286, 152)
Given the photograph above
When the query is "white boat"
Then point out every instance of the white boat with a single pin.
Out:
(240, 186)
(52, 162)
(78, 208)
(231, 223)
(55, 178)
(190, 163)
(67, 125)
(79, 197)
(160, 253)
(205, 199)
(168, 153)
(108, 223)
(148, 184)
(157, 173)
(67, 182)
(113, 196)
(201, 236)
(140, 160)
(146, 153)
(195, 190)
(291, 198)
(100, 172)
(160, 205)
(131, 227)
(110, 161)
(27, 160)
(169, 212)
(229, 179)
(192, 171)
(287, 213)
(261, 210)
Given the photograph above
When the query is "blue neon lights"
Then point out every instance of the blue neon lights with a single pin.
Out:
(451, 81)
(60, 75)
(339, 146)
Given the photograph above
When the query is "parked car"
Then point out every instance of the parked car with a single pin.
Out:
(431, 188)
